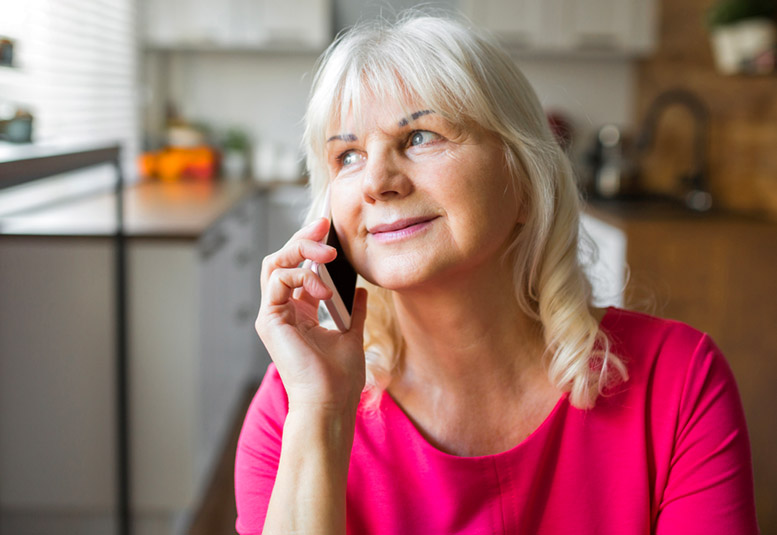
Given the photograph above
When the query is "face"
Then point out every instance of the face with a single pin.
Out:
(417, 200)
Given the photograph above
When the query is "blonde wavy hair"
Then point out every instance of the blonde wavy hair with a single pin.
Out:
(466, 77)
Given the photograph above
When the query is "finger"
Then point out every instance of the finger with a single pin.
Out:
(359, 315)
(294, 252)
(283, 282)
(301, 295)
(315, 230)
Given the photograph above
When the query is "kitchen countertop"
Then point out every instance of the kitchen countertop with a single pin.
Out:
(182, 210)
(624, 213)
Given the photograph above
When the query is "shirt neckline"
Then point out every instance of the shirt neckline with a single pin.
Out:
(562, 403)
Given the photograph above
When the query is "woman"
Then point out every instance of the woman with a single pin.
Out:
(494, 398)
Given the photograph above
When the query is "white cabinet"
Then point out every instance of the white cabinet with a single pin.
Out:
(291, 24)
(626, 25)
(590, 27)
(192, 310)
(518, 23)
(607, 272)
(286, 207)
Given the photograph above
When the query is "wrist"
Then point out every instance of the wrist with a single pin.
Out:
(328, 432)
(309, 405)
(323, 416)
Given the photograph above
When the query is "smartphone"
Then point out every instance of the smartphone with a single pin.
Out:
(339, 276)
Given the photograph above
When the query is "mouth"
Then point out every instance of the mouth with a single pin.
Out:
(401, 228)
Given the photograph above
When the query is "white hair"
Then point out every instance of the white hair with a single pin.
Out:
(465, 77)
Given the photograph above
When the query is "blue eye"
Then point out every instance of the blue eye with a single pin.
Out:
(347, 158)
(421, 137)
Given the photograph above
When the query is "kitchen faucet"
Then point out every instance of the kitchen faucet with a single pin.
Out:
(698, 196)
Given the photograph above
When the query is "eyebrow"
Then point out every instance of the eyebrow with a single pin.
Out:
(403, 122)
(343, 137)
(414, 116)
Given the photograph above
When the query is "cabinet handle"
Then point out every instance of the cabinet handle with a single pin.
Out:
(212, 244)
(243, 257)
(242, 215)
(244, 314)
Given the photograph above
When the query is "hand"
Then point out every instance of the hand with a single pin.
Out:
(320, 368)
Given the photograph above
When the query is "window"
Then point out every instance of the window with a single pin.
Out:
(75, 69)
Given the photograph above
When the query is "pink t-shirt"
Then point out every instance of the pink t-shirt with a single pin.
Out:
(667, 453)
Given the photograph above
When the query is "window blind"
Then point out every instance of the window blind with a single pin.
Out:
(76, 64)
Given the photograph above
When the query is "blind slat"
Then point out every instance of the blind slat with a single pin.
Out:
(79, 63)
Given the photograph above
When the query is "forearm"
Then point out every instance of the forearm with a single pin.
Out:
(309, 492)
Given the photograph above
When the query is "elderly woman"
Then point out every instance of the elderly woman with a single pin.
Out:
(477, 390)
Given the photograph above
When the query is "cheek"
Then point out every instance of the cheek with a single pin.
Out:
(343, 206)
(346, 216)
(487, 207)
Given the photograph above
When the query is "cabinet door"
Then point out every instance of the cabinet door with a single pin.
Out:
(608, 26)
(297, 22)
(244, 285)
(568, 26)
(215, 343)
(238, 23)
(598, 24)
(286, 207)
(517, 23)
(261, 217)
(164, 324)
(161, 20)
(178, 22)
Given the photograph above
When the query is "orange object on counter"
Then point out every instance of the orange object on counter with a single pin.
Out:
(175, 163)
(147, 164)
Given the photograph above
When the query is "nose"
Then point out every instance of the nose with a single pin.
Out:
(384, 178)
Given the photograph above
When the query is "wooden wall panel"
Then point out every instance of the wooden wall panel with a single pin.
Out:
(717, 274)
(743, 134)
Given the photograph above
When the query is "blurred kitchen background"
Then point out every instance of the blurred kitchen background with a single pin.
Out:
(127, 350)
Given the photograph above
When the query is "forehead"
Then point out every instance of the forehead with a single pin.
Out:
(375, 112)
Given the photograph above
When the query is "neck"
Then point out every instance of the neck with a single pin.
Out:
(467, 335)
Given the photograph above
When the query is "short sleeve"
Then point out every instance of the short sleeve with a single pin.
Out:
(258, 453)
(710, 482)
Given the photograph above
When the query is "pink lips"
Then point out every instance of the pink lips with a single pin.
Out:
(400, 229)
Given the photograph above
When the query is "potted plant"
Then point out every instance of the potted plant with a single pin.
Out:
(743, 35)
(235, 144)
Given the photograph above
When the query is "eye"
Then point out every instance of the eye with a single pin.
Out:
(421, 137)
(348, 157)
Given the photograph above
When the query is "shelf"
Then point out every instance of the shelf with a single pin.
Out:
(25, 162)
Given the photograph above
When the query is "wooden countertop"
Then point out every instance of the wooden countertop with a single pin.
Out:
(152, 210)
(624, 214)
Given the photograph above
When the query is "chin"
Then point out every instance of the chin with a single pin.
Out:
(400, 273)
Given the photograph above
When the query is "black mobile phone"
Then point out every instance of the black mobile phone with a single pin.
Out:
(339, 275)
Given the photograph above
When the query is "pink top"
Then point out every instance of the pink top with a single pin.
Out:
(667, 453)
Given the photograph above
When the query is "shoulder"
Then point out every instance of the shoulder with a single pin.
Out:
(682, 403)
(629, 329)
(663, 356)
(642, 338)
